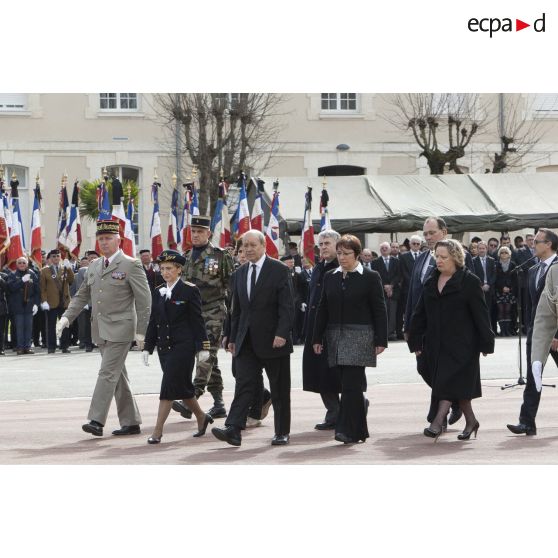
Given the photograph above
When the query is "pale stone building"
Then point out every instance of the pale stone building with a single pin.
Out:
(323, 133)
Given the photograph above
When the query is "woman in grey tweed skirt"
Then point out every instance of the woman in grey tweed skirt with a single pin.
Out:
(352, 323)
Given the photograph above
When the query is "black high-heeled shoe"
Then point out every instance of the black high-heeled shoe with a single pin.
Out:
(466, 434)
(433, 433)
(154, 439)
(208, 420)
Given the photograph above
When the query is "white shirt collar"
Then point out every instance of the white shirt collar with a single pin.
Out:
(548, 261)
(167, 291)
(259, 263)
(358, 269)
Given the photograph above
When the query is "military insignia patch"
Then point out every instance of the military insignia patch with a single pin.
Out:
(120, 275)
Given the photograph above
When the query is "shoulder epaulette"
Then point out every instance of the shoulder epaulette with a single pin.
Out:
(189, 284)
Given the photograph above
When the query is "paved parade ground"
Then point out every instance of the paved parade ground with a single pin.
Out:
(44, 401)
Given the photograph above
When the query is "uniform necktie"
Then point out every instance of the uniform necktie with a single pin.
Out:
(386, 260)
(253, 280)
(484, 268)
(106, 263)
(542, 267)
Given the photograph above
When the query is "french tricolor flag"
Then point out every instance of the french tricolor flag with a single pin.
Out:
(155, 231)
(243, 211)
(272, 231)
(36, 240)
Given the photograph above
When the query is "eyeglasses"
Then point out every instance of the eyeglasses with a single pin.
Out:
(416, 243)
(345, 253)
(541, 241)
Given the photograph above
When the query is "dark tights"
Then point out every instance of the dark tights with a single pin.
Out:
(443, 410)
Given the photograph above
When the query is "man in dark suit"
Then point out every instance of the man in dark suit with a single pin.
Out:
(485, 270)
(154, 277)
(388, 268)
(546, 244)
(261, 326)
(434, 230)
(524, 258)
(407, 261)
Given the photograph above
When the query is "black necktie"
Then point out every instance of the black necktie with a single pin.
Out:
(541, 275)
(106, 262)
(253, 281)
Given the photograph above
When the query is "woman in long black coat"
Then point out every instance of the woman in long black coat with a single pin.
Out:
(352, 320)
(451, 324)
(3, 309)
(506, 290)
(177, 329)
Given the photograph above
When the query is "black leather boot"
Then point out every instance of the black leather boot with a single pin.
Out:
(218, 410)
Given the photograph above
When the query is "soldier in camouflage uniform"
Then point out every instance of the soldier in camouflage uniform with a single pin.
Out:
(209, 268)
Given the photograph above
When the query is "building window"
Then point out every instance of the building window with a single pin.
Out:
(118, 101)
(339, 102)
(546, 103)
(13, 102)
(341, 170)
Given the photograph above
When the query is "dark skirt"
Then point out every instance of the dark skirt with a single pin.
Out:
(353, 406)
(178, 366)
(317, 376)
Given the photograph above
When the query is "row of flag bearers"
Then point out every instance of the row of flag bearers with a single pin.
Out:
(224, 228)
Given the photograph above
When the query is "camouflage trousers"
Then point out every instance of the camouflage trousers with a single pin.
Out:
(208, 375)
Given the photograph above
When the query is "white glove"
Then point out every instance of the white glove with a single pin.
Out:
(45, 305)
(203, 356)
(67, 264)
(537, 368)
(303, 306)
(139, 338)
(35, 309)
(26, 278)
(298, 269)
(145, 357)
(62, 324)
(86, 307)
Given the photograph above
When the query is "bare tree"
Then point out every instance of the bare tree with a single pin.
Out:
(442, 124)
(519, 131)
(233, 132)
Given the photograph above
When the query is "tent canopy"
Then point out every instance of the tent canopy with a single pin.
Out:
(478, 202)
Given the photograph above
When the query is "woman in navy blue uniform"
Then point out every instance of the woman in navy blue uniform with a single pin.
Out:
(177, 329)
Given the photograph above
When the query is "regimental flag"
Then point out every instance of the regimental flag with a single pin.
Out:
(272, 229)
(234, 224)
(5, 220)
(155, 231)
(257, 220)
(308, 228)
(17, 240)
(129, 231)
(186, 225)
(36, 240)
(73, 229)
(63, 214)
(103, 202)
(221, 224)
(195, 206)
(173, 233)
(127, 242)
(243, 211)
(325, 223)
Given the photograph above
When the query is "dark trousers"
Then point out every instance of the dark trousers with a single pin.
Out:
(39, 328)
(391, 306)
(352, 408)
(2, 331)
(331, 403)
(51, 316)
(74, 333)
(401, 305)
(531, 397)
(11, 327)
(249, 369)
(24, 328)
(84, 325)
(257, 403)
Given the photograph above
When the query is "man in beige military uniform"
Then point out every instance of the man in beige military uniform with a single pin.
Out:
(115, 284)
(209, 268)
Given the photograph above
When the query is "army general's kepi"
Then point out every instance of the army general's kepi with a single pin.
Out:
(107, 227)
(171, 256)
(201, 221)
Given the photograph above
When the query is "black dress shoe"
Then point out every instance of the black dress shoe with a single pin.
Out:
(182, 409)
(2, 353)
(325, 426)
(66, 351)
(154, 439)
(455, 416)
(522, 429)
(208, 420)
(29, 351)
(93, 428)
(280, 440)
(340, 437)
(126, 430)
(51, 351)
(229, 434)
(89, 349)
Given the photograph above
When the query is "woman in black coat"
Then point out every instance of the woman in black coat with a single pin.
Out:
(451, 324)
(506, 290)
(177, 328)
(3, 309)
(352, 320)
